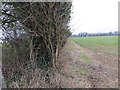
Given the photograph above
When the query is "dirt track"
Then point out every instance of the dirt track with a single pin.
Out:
(84, 68)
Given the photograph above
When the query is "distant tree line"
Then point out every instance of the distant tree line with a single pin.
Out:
(85, 34)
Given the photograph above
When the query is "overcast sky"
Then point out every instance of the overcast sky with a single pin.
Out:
(94, 16)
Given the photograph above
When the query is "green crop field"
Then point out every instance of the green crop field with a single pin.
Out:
(98, 40)
(104, 43)
(0, 44)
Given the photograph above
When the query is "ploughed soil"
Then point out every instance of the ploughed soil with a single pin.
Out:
(86, 68)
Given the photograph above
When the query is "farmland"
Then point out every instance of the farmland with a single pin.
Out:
(104, 44)
(99, 40)
(91, 62)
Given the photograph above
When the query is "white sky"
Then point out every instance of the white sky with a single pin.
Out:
(94, 16)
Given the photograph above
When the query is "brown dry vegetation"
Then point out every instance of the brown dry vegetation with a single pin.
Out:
(78, 67)
(85, 68)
